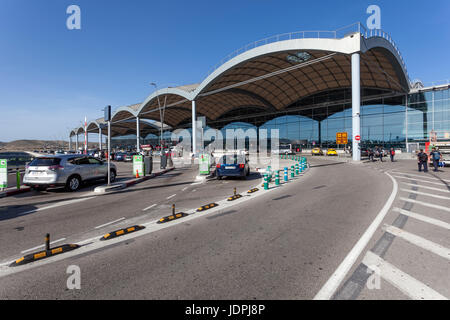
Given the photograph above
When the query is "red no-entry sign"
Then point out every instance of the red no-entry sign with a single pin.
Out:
(357, 138)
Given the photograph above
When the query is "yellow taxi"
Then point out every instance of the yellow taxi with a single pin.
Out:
(331, 152)
(317, 152)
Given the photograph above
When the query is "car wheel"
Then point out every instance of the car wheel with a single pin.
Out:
(73, 183)
(112, 176)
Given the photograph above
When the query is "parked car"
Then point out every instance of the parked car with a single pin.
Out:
(331, 152)
(129, 156)
(234, 165)
(69, 171)
(316, 152)
(119, 156)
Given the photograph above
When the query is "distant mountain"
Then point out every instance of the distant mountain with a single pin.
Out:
(30, 145)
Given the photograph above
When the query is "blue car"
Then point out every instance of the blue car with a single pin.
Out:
(233, 166)
(120, 156)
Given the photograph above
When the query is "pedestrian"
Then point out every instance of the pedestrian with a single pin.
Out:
(392, 153)
(370, 152)
(422, 160)
(435, 156)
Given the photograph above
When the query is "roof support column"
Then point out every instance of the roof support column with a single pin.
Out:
(356, 106)
(76, 142)
(138, 138)
(100, 138)
(194, 128)
(86, 147)
(70, 141)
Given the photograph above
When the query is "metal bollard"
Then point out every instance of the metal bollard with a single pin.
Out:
(234, 191)
(173, 209)
(18, 179)
(286, 174)
(277, 178)
(47, 242)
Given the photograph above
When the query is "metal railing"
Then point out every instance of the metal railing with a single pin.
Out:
(336, 34)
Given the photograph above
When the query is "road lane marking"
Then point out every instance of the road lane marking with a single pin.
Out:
(404, 282)
(184, 189)
(423, 176)
(169, 197)
(418, 241)
(333, 283)
(426, 194)
(421, 181)
(426, 187)
(426, 204)
(41, 246)
(60, 204)
(423, 218)
(107, 224)
(149, 207)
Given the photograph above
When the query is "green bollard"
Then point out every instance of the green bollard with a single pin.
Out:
(277, 178)
(292, 171)
(18, 179)
(266, 182)
(296, 169)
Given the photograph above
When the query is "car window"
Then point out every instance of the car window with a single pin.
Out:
(45, 162)
(83, 160)
(94, 161)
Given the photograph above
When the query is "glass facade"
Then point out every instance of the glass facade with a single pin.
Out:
(386, 120)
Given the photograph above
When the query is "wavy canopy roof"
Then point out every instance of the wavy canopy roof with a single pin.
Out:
(272, 76)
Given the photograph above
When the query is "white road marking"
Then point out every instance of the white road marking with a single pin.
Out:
(56, 205)
(184, 189)
(405, 283)
(107, 224)
(169, 197)
(41, 246)
(426, 204)
(419, 241)
(422, 176)
(426, 194)
(149, 207)
(421, 181)
(426, 187)
(330, 287)
(423, 218)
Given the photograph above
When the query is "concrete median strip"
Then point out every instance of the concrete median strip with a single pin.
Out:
(43, 254)
(172, 217)
(234, 197)
(121, 232)
(252, 190)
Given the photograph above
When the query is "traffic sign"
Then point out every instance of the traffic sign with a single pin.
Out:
(358, 137)
(341, 138)
(3, 173)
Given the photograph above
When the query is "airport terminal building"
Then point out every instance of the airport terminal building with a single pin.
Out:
(309, 85)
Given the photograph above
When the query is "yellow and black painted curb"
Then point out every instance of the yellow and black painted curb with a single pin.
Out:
(121, 232)
(206, 207)
(172, 217)
(43, 254)
(236, 196)
(252, 190)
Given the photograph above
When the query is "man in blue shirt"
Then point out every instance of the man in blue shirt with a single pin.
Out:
(435, 156)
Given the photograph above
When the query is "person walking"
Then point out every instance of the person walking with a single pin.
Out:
(422, 160)
(435, 156)
(370, 152)
(392, 154)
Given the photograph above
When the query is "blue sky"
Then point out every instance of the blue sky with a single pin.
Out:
(51, 77)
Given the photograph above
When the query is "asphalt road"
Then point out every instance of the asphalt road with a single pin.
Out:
(283, 244)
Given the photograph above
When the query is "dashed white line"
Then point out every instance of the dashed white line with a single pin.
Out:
(421, 181)
(149, 207)
(426, 204)
(108, 223)
(419, 241)
(60, 204)
(41, 246)
(169, 197)
(426, 187)
(423, 218)
(426, 194)
(422, 176)
(184, 189)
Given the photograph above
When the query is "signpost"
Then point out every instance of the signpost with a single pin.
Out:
(138, 165)
(341, 138)
(203, 163)
(3, 173)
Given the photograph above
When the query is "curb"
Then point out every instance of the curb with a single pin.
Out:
(232, 198)
(172, 217)
(121, 232)
(43, 254)
(126, 184)
(9, 193)
(206, 207)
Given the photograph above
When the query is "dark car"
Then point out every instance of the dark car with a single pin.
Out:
(235, 165)
(129, 156)
(119, 156)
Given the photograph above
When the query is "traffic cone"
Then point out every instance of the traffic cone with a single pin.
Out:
(137, 173)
